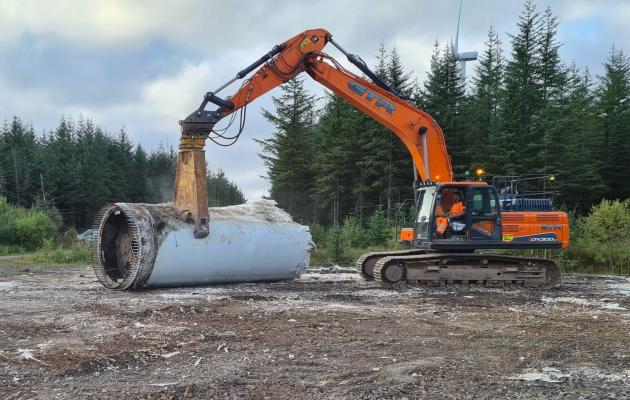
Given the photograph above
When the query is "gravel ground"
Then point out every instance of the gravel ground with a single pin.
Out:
(327, 335)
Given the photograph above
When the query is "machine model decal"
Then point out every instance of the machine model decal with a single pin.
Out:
(543, 239)
(380, 101)
(540, 237)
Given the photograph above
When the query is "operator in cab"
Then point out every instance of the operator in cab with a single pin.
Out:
(456, 215)
(441, 217)
(452, 216)
(457, 209)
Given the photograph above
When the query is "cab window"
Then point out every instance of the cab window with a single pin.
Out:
(484, 203)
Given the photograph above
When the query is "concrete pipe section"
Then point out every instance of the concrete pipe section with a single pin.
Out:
(149, 245)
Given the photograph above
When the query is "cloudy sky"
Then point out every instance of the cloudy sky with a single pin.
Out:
(144, 64)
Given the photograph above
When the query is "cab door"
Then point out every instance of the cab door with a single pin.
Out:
(483, 213)
(424, 206)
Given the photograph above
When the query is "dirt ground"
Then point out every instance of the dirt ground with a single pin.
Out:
(325, 336)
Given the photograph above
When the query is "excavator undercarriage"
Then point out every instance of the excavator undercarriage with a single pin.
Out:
(418, 266)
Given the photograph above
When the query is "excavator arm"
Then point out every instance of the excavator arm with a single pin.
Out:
(416, 129)
(303, 53)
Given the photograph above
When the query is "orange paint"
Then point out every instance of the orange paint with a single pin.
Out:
(519, 224)
(406, 235)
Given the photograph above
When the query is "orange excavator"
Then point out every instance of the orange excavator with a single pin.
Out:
(453, 219)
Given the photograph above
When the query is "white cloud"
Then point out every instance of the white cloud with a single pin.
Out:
(81, 22)
(225, 36)
(578, 9)
(416, 55)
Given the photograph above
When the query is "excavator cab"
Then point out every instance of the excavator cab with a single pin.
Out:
(441, 224)
(459, 212)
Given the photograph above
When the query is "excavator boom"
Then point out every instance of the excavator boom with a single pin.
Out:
(416, 129)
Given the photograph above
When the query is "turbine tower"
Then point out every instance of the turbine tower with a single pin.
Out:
(464, 56)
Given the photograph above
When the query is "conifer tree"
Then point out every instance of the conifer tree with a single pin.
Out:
(77, 168)
(335, 170)
(62, 171)
(486, 104)
(443, 97)
(553, 85)
(19, 162)
(94, 171)
(139, 174)
(288, 153)
(222, 191)
(579, 183)
(161, 174)
(400, 163)
(520, 141)
(613, 114)
(377, 150)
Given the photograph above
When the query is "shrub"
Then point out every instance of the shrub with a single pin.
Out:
(335, 244)
(318, 233)
(352, 235)
(33, 228)
(601, 241)
(343, 244)
(378, 228)
(69, 237)
(608, 222)
(27, 228)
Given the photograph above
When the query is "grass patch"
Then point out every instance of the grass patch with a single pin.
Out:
(11, 250)
(326, 256)
(77, 254)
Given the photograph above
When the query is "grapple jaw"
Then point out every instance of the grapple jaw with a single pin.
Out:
(190, 196)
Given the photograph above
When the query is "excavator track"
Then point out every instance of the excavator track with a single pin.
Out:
(493, 270)
(365, 263)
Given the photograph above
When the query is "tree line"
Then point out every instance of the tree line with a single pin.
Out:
(522, 113)
(77, 168)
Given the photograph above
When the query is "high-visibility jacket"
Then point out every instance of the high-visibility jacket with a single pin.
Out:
(441, 224)
(457, 209)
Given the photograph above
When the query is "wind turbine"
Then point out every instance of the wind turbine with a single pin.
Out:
(464, 56)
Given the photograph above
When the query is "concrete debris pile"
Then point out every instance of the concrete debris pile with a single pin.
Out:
(139, 246)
